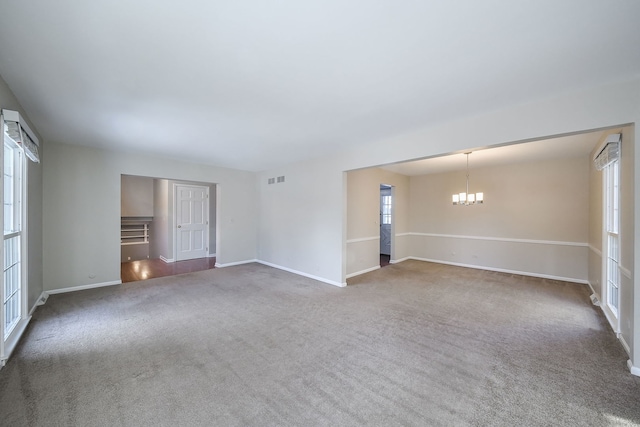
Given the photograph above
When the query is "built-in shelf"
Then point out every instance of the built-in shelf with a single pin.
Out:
(134, 234)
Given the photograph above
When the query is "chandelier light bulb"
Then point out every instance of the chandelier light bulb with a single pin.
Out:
(466, 198)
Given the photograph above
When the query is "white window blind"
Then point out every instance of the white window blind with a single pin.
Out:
(17, 129)
(609, 153)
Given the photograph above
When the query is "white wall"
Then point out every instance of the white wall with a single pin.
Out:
(136, 198)
(82, 211)
(301, 220)
(534, 219)
(160, 242)
(363, 218)
(213, 204)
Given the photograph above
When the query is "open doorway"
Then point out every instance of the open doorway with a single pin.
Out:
(168, 227)
(386, 223)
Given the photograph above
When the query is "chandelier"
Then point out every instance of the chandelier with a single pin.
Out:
(466, 198)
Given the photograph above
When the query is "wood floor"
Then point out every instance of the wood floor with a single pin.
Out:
(149, 268)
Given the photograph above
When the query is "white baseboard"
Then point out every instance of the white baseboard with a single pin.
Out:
(42, 299)
(633, 369)
(300, 273)
(594, 297)
(231, 264)
(83, 287)
(366, 270)
(624, 345)
(502, 270)
(593, 291)
(167, 260)
(211, 255)
(396, 261)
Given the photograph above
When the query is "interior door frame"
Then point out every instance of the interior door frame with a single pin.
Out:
(175, 216)
(392, 231)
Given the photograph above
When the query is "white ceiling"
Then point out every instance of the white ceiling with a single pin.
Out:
(558, 148)
(253, 84)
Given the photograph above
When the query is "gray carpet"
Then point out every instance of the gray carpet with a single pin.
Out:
(414, 343)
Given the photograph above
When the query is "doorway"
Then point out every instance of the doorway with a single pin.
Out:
(168, 227)
(386, 224)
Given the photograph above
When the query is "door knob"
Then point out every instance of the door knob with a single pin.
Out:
(179, 226)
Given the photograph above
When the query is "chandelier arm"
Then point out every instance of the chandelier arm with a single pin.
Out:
(467, 178)
(458, 198)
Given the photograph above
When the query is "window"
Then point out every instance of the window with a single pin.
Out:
(19, 144)
(612, 221)
(608, 161)
(386, 209)
(12, 180)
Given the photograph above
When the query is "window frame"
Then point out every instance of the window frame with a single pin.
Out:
(611, 244)
(11, 333)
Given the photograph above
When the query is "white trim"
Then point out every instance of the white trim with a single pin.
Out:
(595, 295)
(167, 260)
(300, 273)
(366, 270)
(611, 318)
(633, 369)
(15, 116)
(83, 287)
(15, 337)
(625, 345)
(363, 239)
(593, 291)
(211, 255)
(503, 239)
(15, 234)
(231, 264)
(42, 300)
(612, 138)
(625, 272)
(502, 270)
(596, 250)
(396, 261)
(403, 234)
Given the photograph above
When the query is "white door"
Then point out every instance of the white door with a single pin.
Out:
(192, 221)
(386, 203)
